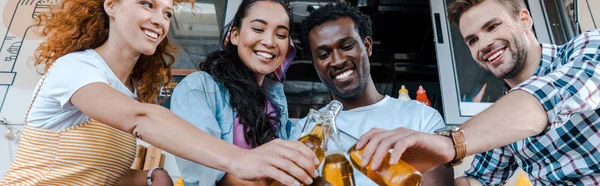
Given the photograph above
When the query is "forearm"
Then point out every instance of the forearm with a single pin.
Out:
(163, 129)
(441, 175)
(134, 178)
(466, 181)
(516, 116)
(155, 125)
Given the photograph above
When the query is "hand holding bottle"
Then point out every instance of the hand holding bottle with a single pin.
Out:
(423, 151)
(284, 161)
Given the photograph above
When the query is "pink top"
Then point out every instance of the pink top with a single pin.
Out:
(238, 129)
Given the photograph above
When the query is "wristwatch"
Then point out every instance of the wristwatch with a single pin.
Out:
(458, 140)
(149, 177)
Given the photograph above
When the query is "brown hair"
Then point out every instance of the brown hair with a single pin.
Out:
(78, 25)
(457, 8)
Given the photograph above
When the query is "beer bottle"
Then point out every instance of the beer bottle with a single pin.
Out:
(337, 170)
(315, 138)
(400, 174)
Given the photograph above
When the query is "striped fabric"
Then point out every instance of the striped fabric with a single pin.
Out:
(91, 153)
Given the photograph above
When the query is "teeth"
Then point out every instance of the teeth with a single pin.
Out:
(495, 56)
(265, 55)
(151, 34)
(344, 75)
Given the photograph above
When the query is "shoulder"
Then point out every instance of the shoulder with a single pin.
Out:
(414, 108)
(272, 84)
(423, 118)
(591, 35)
(200, 81)
(77, 61)
(77, 68)
(588, 41)
(80, 55)
(412, 105)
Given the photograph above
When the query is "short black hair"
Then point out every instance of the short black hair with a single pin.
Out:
(332, 12)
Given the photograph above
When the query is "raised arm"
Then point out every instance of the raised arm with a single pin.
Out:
(163, 129)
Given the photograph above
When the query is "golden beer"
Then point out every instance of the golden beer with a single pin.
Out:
(400, 174)
(317, 138)
(314, 141)
(338, 171)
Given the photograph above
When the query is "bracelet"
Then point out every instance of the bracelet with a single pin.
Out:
(149, 177)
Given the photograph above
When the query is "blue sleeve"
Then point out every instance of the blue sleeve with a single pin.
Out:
(192, 102)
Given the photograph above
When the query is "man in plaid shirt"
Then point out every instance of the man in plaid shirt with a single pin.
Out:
(548, 124)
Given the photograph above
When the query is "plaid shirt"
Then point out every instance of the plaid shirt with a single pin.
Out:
(567, 84)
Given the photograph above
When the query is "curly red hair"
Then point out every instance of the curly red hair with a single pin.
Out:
(78, 25)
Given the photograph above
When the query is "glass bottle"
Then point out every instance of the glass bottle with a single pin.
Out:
(314, 139)
(400, 174)
(337, 170)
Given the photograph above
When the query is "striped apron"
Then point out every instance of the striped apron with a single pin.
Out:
(90, 153)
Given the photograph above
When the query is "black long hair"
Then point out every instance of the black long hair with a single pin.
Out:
(248, 99)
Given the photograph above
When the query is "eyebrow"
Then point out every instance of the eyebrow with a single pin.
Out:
(324, 47)
(265, 22)
(487, 24)
(167, 7)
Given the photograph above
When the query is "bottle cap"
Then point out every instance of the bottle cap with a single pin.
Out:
(403, 89)
(421, 90)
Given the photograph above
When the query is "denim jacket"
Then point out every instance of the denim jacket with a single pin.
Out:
(204, 102)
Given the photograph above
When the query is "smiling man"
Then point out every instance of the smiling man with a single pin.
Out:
(547, 124)
(564, 79)
(339, 39)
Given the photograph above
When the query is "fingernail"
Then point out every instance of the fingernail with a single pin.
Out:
(296, 183)
(309, 181)
(363, 162)
(317, 162)
(373, 168)
(316, 173)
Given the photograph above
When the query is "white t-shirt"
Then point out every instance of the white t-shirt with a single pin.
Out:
(389, 113)
(52, 109)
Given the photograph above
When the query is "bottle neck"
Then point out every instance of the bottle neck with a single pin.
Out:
(312, 117)
(327, 127)
(335, 107)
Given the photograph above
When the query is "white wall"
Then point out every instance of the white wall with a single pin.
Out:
(587, 17)
(232, 6)
(17, 77)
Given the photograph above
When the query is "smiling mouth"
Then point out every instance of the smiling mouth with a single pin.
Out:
(344, 75)
(151, 34)
(495, 55)
(264, 55)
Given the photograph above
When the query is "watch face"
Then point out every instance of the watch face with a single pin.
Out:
(447, 129)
